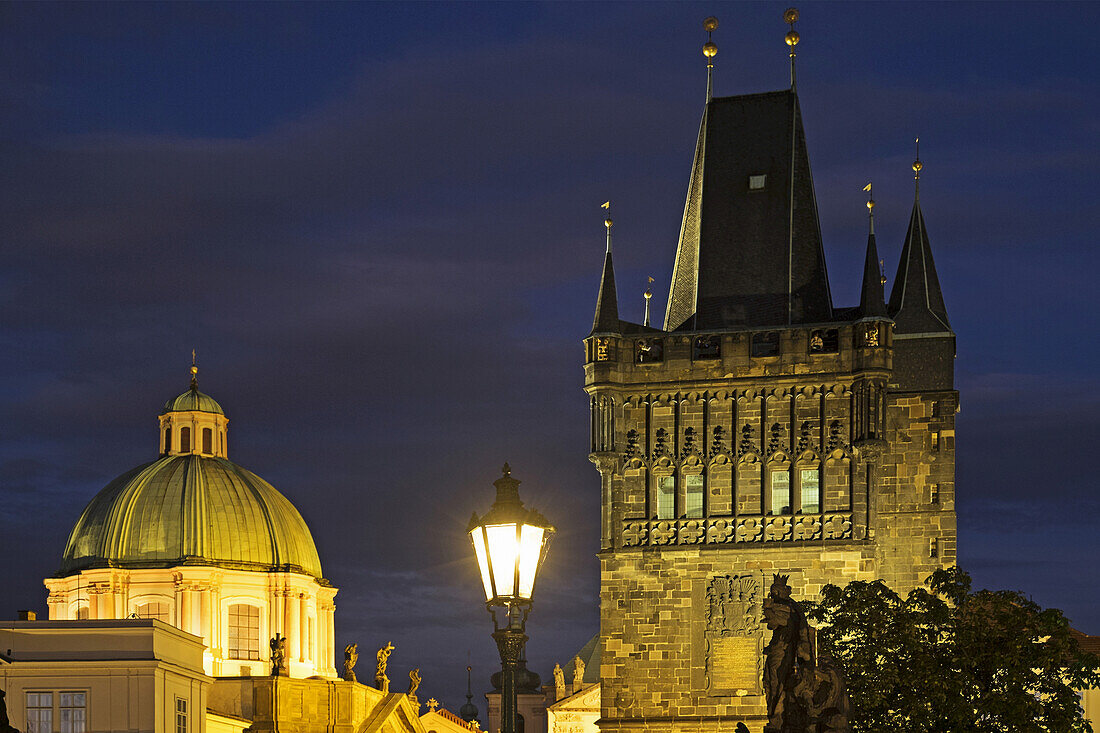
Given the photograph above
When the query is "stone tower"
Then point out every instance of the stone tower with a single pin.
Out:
(762, 430)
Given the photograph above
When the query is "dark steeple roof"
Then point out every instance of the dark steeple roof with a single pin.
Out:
(916, 302)
(872, 302)
(607, 303)
(750, 256)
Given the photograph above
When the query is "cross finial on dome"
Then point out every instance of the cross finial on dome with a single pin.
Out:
(507, 470)
(194, 372)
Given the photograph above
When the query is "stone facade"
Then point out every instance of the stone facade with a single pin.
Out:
(863, 466)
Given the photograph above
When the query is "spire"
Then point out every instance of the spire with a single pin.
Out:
(710, 50)
(607, 303)
(916, 301)
(872, 303)
(468, 712)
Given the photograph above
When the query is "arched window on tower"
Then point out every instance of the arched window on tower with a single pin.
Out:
(185, 440)
(167, 441)
(207, 440)
(244, 632)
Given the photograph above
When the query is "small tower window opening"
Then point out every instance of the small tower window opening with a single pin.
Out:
(244, 632)
(603, 349)
(757, 182)
(935, 440)
(693, 496)
(185, 440)
(765, 343)
(934, 494)
(207, 440)
(650, 351)
(824, 341)
(706, 347)
(934, 547)
(155, 609)
(810, 487)
(780, 493)
(666, 497)
(167, 441)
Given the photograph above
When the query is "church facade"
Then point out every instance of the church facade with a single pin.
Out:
(761, 429)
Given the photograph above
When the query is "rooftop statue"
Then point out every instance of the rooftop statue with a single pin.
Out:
(381, 681)
(278, 656)
(351, 656)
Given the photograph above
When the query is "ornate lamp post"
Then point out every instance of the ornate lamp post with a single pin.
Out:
(510, 543)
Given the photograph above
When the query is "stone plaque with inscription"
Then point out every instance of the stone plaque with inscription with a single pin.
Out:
(732, 635)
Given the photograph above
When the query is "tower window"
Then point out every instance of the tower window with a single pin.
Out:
(934, 494)
(706, 347)
(185, 440)
(650, 351)
(693, 496)
(780, 493)
(757, 182)
(207, 440)
(935, 440)
(244, 632)
(810, 488)
(666, 497)
(933, 547)
(765, 343)
(167, 441)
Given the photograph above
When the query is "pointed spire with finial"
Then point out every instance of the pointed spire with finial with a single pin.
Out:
(916, 301)
(872, 301)
(468, 712)
(194, 372)
(790, 17)
(607, 303)
(710, 50)
(648, 295)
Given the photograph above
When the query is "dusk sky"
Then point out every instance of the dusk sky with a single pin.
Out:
(379, 225)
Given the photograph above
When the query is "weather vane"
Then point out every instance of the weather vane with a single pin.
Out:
(607, 222)
(917, 166)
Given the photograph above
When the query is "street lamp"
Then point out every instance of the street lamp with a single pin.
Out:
(510, 543)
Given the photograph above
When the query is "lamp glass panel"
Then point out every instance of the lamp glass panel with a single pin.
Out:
(530, 552)
(482, 561)
(502, 555)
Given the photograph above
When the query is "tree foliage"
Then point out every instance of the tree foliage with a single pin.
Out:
(946, 658)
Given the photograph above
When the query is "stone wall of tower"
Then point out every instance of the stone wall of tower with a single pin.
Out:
(720, 418)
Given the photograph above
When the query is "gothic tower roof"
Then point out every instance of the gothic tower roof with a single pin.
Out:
(750, 251)
(916, 301)
(607, 303)
(872, 301)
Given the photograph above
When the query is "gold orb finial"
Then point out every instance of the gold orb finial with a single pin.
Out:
(710, 49)
(870, 204)
(608, 222)
(790, 15)
(710, 24)
(917, 166)
(792, 38)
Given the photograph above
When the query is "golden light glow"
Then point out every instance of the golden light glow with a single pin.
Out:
(502, 557)
(482, 561)
(530, 551)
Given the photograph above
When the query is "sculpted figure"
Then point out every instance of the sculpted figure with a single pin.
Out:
(351, 656)
(414, 685)
(788, 650)
(278, 655)
(578, 674)
(559, 682)
(823, 696)
(381, 681)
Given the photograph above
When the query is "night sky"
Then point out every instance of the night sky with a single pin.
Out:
(379, 226)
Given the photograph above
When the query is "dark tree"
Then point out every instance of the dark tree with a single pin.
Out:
(945, 658)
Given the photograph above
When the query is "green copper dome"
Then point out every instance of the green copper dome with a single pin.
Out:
(191, 509)
(192, 399)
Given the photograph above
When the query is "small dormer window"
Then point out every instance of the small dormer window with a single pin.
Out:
(757, 182)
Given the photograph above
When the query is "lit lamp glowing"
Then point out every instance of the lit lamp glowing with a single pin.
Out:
(510, 543)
